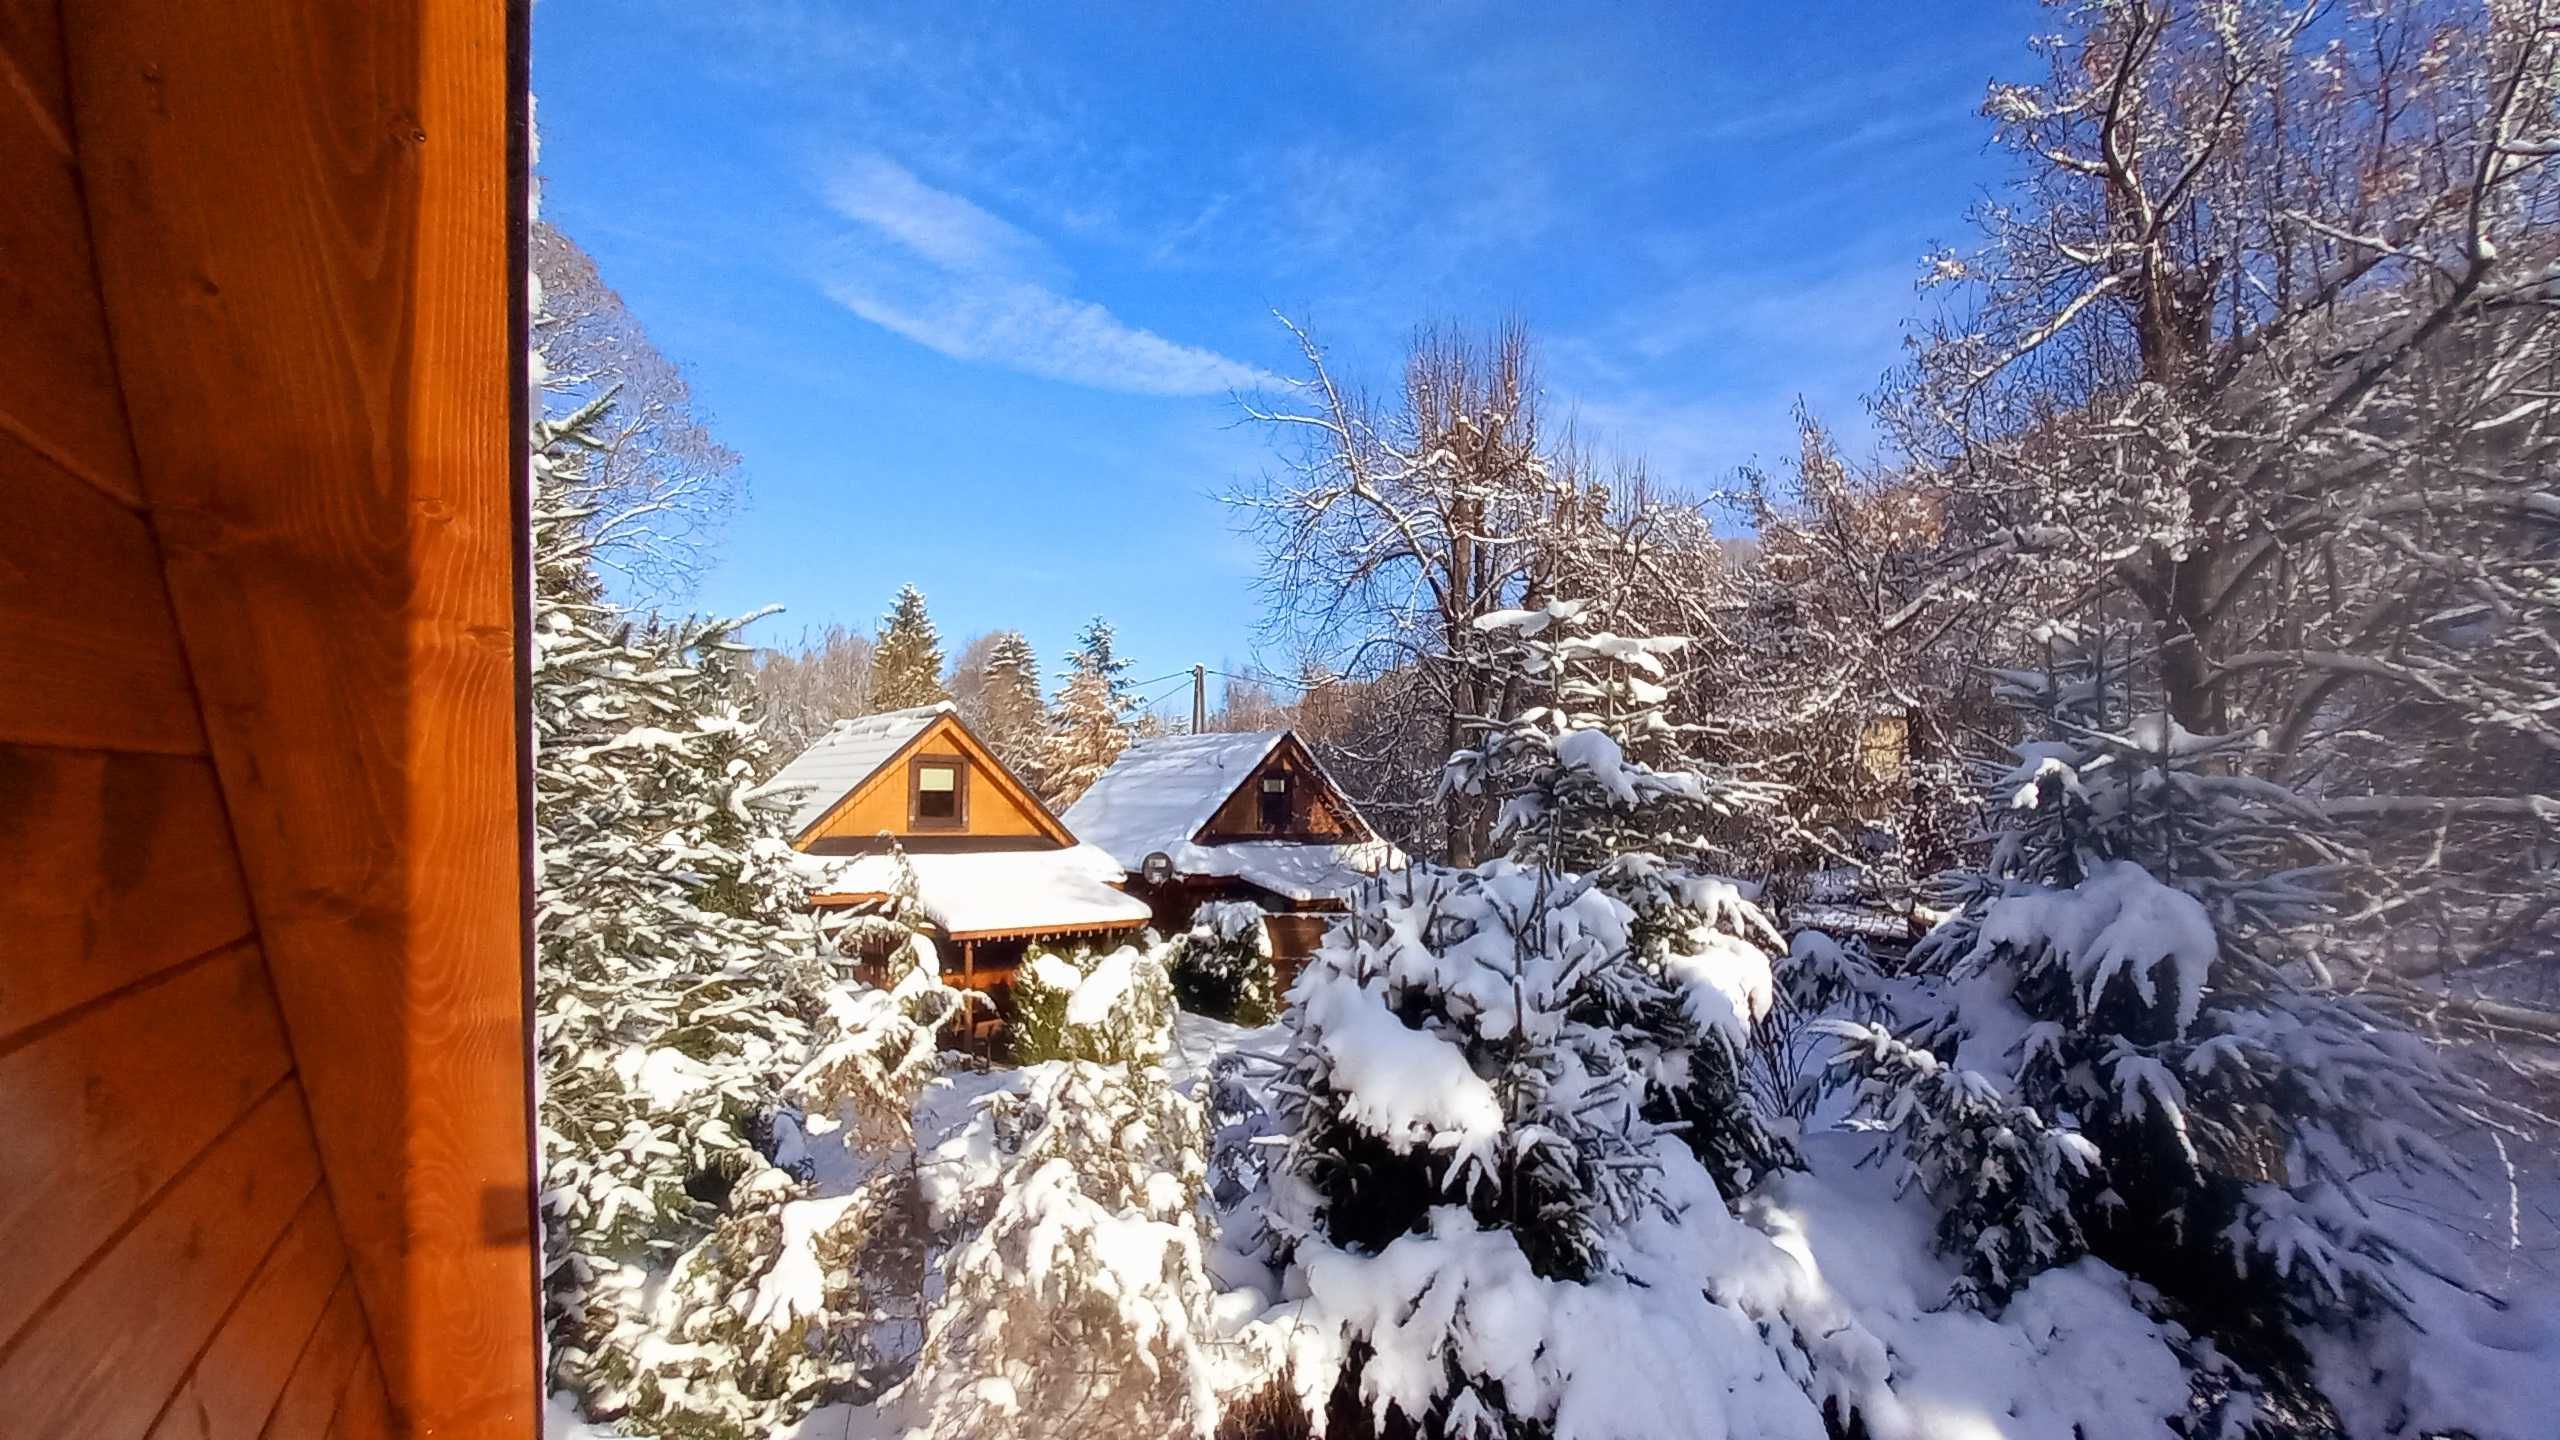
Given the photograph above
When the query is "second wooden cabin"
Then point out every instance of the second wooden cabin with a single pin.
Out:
(1247, 816)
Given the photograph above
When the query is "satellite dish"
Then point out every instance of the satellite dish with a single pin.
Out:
(1157, 869)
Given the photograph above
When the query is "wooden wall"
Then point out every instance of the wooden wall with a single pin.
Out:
(1315, 813)
(999, 807)
(264, 1132)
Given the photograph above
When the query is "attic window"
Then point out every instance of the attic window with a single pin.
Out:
(937, 793)
(1275, 802)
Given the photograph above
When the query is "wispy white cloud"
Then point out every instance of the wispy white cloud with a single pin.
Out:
(937, 226)
(942, 271)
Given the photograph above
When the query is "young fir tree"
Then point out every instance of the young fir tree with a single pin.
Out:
(1221, 966)
(1017, 719)
(1092, 722)
(1592, 781)
(2121, 1041)
(906, 656)
(1506, 1078)
(680, 993)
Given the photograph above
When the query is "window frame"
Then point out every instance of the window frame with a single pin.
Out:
(1286, 794)
(958, 819)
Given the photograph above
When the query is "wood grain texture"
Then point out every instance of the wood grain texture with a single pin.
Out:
(31, 67)
(301, 213)
(234, 1386)
(88, 641)
(113, 867)
(104, 1108)
(61, 397)
(96, 1363)
(321, 1372)
(364, 1412)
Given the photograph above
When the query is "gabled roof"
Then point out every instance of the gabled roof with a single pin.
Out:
(1163, 789)
(851, 752)
(1164, 792)
(848, 761)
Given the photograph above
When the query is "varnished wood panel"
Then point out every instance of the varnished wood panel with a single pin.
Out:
(31, 68)
(89, 651)
(97, 1364)
(232, 1389)
(105, 1107)
(364, 1412)
(60, 395)
(112, 867)
(321, 1372)
(301, 212)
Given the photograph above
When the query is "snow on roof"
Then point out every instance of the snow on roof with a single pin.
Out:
(1163, 789)
(848, 754)
(978, 891)
(1295, 869)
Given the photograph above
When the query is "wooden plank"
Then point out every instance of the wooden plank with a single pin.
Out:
(31, 67)
(364, 1412)
(87, 636)
(306, 252)
(97, 1364)
(57, 377)
(234, 1386)
(112, 867)
(103, 1109)
(321, 1372)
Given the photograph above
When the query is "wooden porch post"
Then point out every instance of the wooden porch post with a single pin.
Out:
(969, 982)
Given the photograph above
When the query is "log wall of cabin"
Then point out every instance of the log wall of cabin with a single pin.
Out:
(267, 1157)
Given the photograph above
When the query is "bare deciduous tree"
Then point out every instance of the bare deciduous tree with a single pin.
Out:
(1394, 527)
(2263, 350)
(660, 485)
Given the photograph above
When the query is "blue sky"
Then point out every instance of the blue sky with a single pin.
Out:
(971, 288)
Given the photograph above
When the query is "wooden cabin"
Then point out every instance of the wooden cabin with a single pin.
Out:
(994, 870)
(266, 1158)
(1247, 816)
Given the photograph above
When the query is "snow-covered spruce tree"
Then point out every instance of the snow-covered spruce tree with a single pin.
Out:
(1093, 719)
(906, 657)
(2122, 1038)
(1591, 781)
(680, 990)
(1077, 1305)
(1017, 719)
(1221, 966)
(1491, 1237)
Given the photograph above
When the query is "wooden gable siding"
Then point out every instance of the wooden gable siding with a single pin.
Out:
(262, 1039)
(1318, 813)
(1000, 807)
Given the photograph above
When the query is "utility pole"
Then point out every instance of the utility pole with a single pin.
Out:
(1199, 699)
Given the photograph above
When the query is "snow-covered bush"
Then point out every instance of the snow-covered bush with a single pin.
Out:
(1221, 966)
(1077, 1304)
(2121, 1037)
(1113, 1008)
(1492, 1234)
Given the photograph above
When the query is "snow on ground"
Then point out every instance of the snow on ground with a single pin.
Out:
(1834, 1253)
(2071, 1355)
